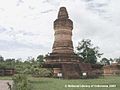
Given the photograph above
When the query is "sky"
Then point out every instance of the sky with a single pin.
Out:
(26, 26)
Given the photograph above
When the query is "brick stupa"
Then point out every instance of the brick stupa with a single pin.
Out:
(63, 59)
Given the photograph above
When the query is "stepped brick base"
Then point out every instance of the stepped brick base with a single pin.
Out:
(70, 71)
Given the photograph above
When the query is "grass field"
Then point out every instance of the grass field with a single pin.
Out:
(59, 84)
(5, 78)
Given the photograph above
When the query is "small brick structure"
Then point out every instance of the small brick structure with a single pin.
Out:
(113, 69)
(7, 71)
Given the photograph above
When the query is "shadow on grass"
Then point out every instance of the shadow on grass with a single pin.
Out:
(40, 82)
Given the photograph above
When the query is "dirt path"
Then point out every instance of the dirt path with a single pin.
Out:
(3, 84)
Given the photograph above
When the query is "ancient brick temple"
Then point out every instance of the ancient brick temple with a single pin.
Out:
(63, 60)
(113, 69)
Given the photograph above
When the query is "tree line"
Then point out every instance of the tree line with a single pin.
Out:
(30, 66)
(90, 54)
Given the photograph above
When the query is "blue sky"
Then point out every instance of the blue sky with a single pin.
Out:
(26, 26)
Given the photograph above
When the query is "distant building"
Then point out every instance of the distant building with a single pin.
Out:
(113, 69)
(7, 71)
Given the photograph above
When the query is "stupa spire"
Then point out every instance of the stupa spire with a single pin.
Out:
(63, 33)
(63, 13)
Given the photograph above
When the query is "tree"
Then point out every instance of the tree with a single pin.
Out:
(1, 59)
(10, 63)
(87, 52)
(31, 59)
(40, 59)
(105, 61)
(117, 60)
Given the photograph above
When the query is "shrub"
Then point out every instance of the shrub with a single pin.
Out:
(41, 72)
(20, 82)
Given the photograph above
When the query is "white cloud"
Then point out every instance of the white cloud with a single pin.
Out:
(26, 26)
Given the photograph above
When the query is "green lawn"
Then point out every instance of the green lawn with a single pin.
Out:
(5, 78)
(59, 84)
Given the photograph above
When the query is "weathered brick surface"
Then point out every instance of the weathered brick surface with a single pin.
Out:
(63, 33)
(113, 69)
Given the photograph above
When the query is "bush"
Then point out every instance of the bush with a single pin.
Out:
(20, 82)
(41, 72)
